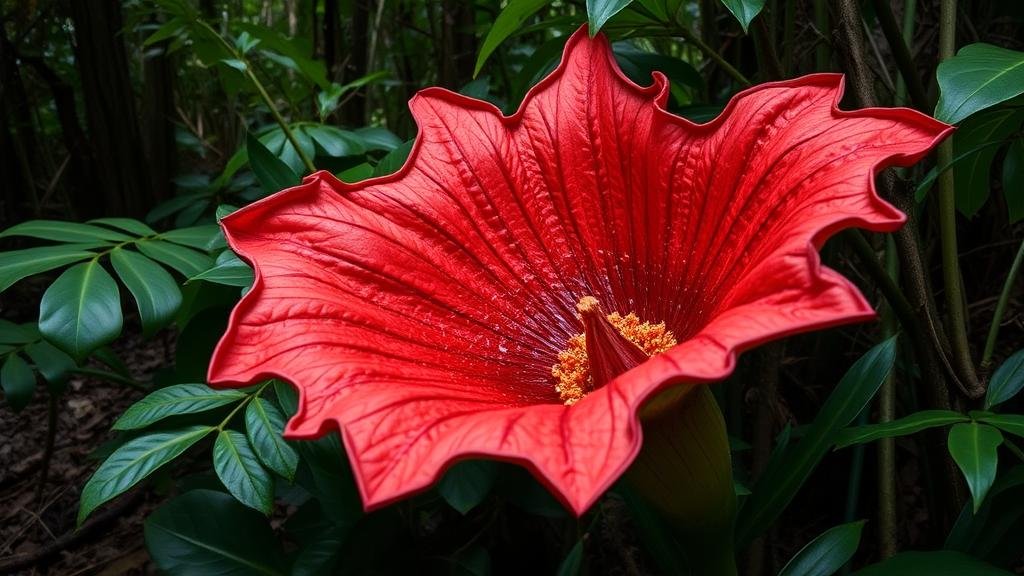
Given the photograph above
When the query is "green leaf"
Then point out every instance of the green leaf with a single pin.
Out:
(203, 237)
(467, 484)
(60, 231)
(639, 64)
(207, 533)
(130, 225)
(973, 448)
(134, 461)
(777, 486)
(19, 264)
(937, 563)
(993, 532)
(230, 271)
(744, 10)
(508, 21)
(186, 261)
(53, 364)
(1013, 180)
(973, 173)
(902, 427)
(11, 333)
(172, 401)
(237, 64)
(336, 142)
(18, 382)
(274, 175)
(1007, 381)
(81, 310)
(600, 11)
(241, 472)
(393, 160)
(573, 561)
(978, 77)
(264, 425)
(156, 293)
(288, 153)
(175, 205)
(377, 138)
(827, 553)
(1012, 423)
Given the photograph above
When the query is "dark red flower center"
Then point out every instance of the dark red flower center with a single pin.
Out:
(610, 344)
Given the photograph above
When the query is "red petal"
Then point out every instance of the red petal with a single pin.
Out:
(421, 312)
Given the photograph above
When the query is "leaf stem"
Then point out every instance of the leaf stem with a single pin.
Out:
(961, 353)
(264, 95)
(240, 405)
(997, 316)
(710, 53)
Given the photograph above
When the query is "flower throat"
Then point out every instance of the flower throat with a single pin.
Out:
(609, 345)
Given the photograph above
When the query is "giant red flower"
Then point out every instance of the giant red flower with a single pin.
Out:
(422, 313)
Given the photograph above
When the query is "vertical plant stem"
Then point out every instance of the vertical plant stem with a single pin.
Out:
(265, 96)
(961, 353)
(710, 53)
(897, 39)
(822, 55)
(909, 14)
(788, 32)
(764, 41)
(51, 438)
(997, 316)
(887, 536)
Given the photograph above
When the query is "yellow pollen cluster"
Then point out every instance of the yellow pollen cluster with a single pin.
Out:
(572, 372)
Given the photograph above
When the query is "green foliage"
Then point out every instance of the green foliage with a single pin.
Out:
(827, 553)
(1007, 381)
(241, 472)
(81, 310)
(208, 533)
(778, 484)
(911, 424)
(600, 11)
(973, 448)
(744, 10)
(134, 461)
(467, 484)
(978, 77)
(175, 400)
(938, 563)
(264, 425)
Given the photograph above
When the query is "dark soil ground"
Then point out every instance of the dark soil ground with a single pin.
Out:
(37, 526)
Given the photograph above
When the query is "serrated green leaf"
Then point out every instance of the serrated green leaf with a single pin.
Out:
(908, 425)
(744, 10)
(134, 461)
(240, 470)
(129, 225)
(777, 486)
(172, 401)
(978, 77)
(156, 293)
(274, 174)
(508, 21)
(19, 264)
(600, 11)
(60, 231)
(827, 553)
(53, 364)
(264, 425)
(973, 448)
(186, 261)
(81, 310)
(1007, 380)
(18, 382)
(208, 533)
(467, 484)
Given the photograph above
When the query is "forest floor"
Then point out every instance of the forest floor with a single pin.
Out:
(37, 527)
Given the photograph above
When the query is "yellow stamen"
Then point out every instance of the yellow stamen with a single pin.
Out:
(572, 372)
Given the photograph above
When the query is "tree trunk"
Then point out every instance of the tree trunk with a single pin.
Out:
(354, 111)
(157, 115)
(109, 109)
